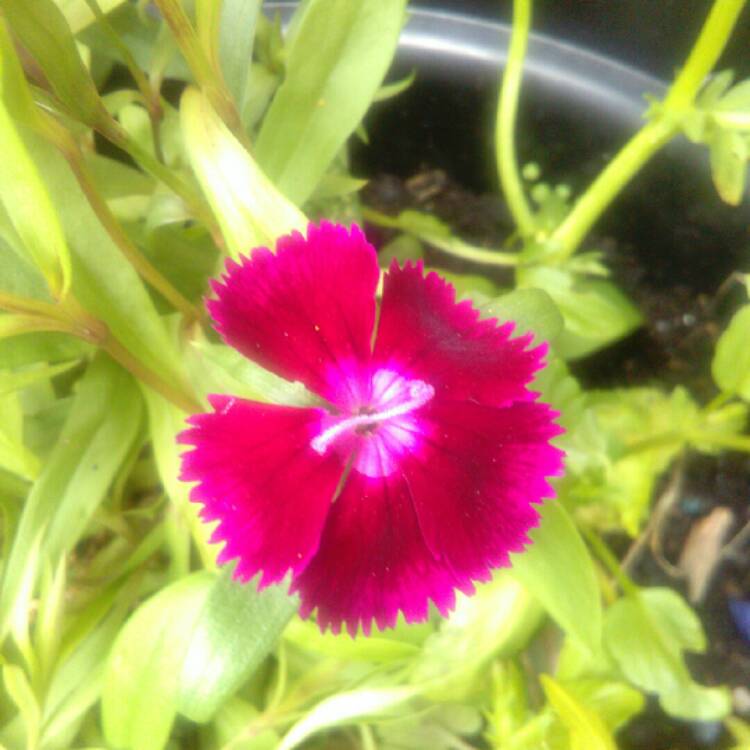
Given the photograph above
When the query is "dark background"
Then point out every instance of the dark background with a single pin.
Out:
(654, 35)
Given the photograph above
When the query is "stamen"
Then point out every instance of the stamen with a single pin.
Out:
(419, 393)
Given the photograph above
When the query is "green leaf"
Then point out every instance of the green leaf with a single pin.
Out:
(378, 649)
(142, 680)
(595, 311)
(558, 570)
(731, 363)
(336, 60)
(646, 634)
(532, 310)
(236, 631)
(43, 30)
(347, 708)
(248, 207)
(97, 435)
(236, 36)
(586, 730)
(27, 201)
(498, 620)
(14, 456)
(220, 369)
(737, 98)
(21, 693)
(14, 381)
(104, 282)
(729, 152)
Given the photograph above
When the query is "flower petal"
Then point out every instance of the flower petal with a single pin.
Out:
(258, 477)
(476, 477)
(308, 311)
(373, 562)
(424, 332)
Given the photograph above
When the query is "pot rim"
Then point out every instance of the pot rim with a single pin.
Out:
(465, 42)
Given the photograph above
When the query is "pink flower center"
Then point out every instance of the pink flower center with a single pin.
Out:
(383, 429)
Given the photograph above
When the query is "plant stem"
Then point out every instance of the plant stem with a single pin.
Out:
(447, 243)
(123, 242)
(610, 562)
(150, 95)
(654, 134)
(132, 364)
(705, 53)
(505, 146)
(203, 65)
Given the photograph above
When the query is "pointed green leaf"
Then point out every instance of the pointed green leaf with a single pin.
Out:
(96, 437)
(557, 568)
(141, 684)
(336, 60)
(44, 31)
(646, 634)
(729, 153)
(731, 363)
(236, 631)
(249, 209)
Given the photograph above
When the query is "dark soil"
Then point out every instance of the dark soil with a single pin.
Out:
(684, 314)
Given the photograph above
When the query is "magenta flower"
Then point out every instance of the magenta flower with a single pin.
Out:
(419, 470)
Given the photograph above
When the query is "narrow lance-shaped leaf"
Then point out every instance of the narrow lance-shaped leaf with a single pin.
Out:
(42, 29)
(337, 58)
(95, 438)
(731, 364)
(236, 37)
(558, 570)
(102, 279)
(22, 190)
(249, 209)
(141, 683)
(236, 630)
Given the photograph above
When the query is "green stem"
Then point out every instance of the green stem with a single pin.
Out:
(610, 562)
(654, 134)
(505, 146)
(705, 53)
(128, 249)
(122, 356)
(150, 95)
(447, 243)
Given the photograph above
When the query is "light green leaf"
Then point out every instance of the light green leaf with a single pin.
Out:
(23, 192)
(346, 708)
(236, 631)
(13, 381)
(532, 310)
(737, 98)
(142, 680)
(21, 693)
(248, 207)
(586, 730)
(336, 59)
(78, 14)
(45, 33)
(96, 437)
(646, 634)
(729, 152)
(103, 280)
(306, 635)
(731, 363)
(14, 456)
(497, 620)
(221, 369)
(557, 569)
(595, 311)
(165, 422)
(236, 36)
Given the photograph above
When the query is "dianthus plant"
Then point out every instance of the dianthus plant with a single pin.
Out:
(418, 469)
